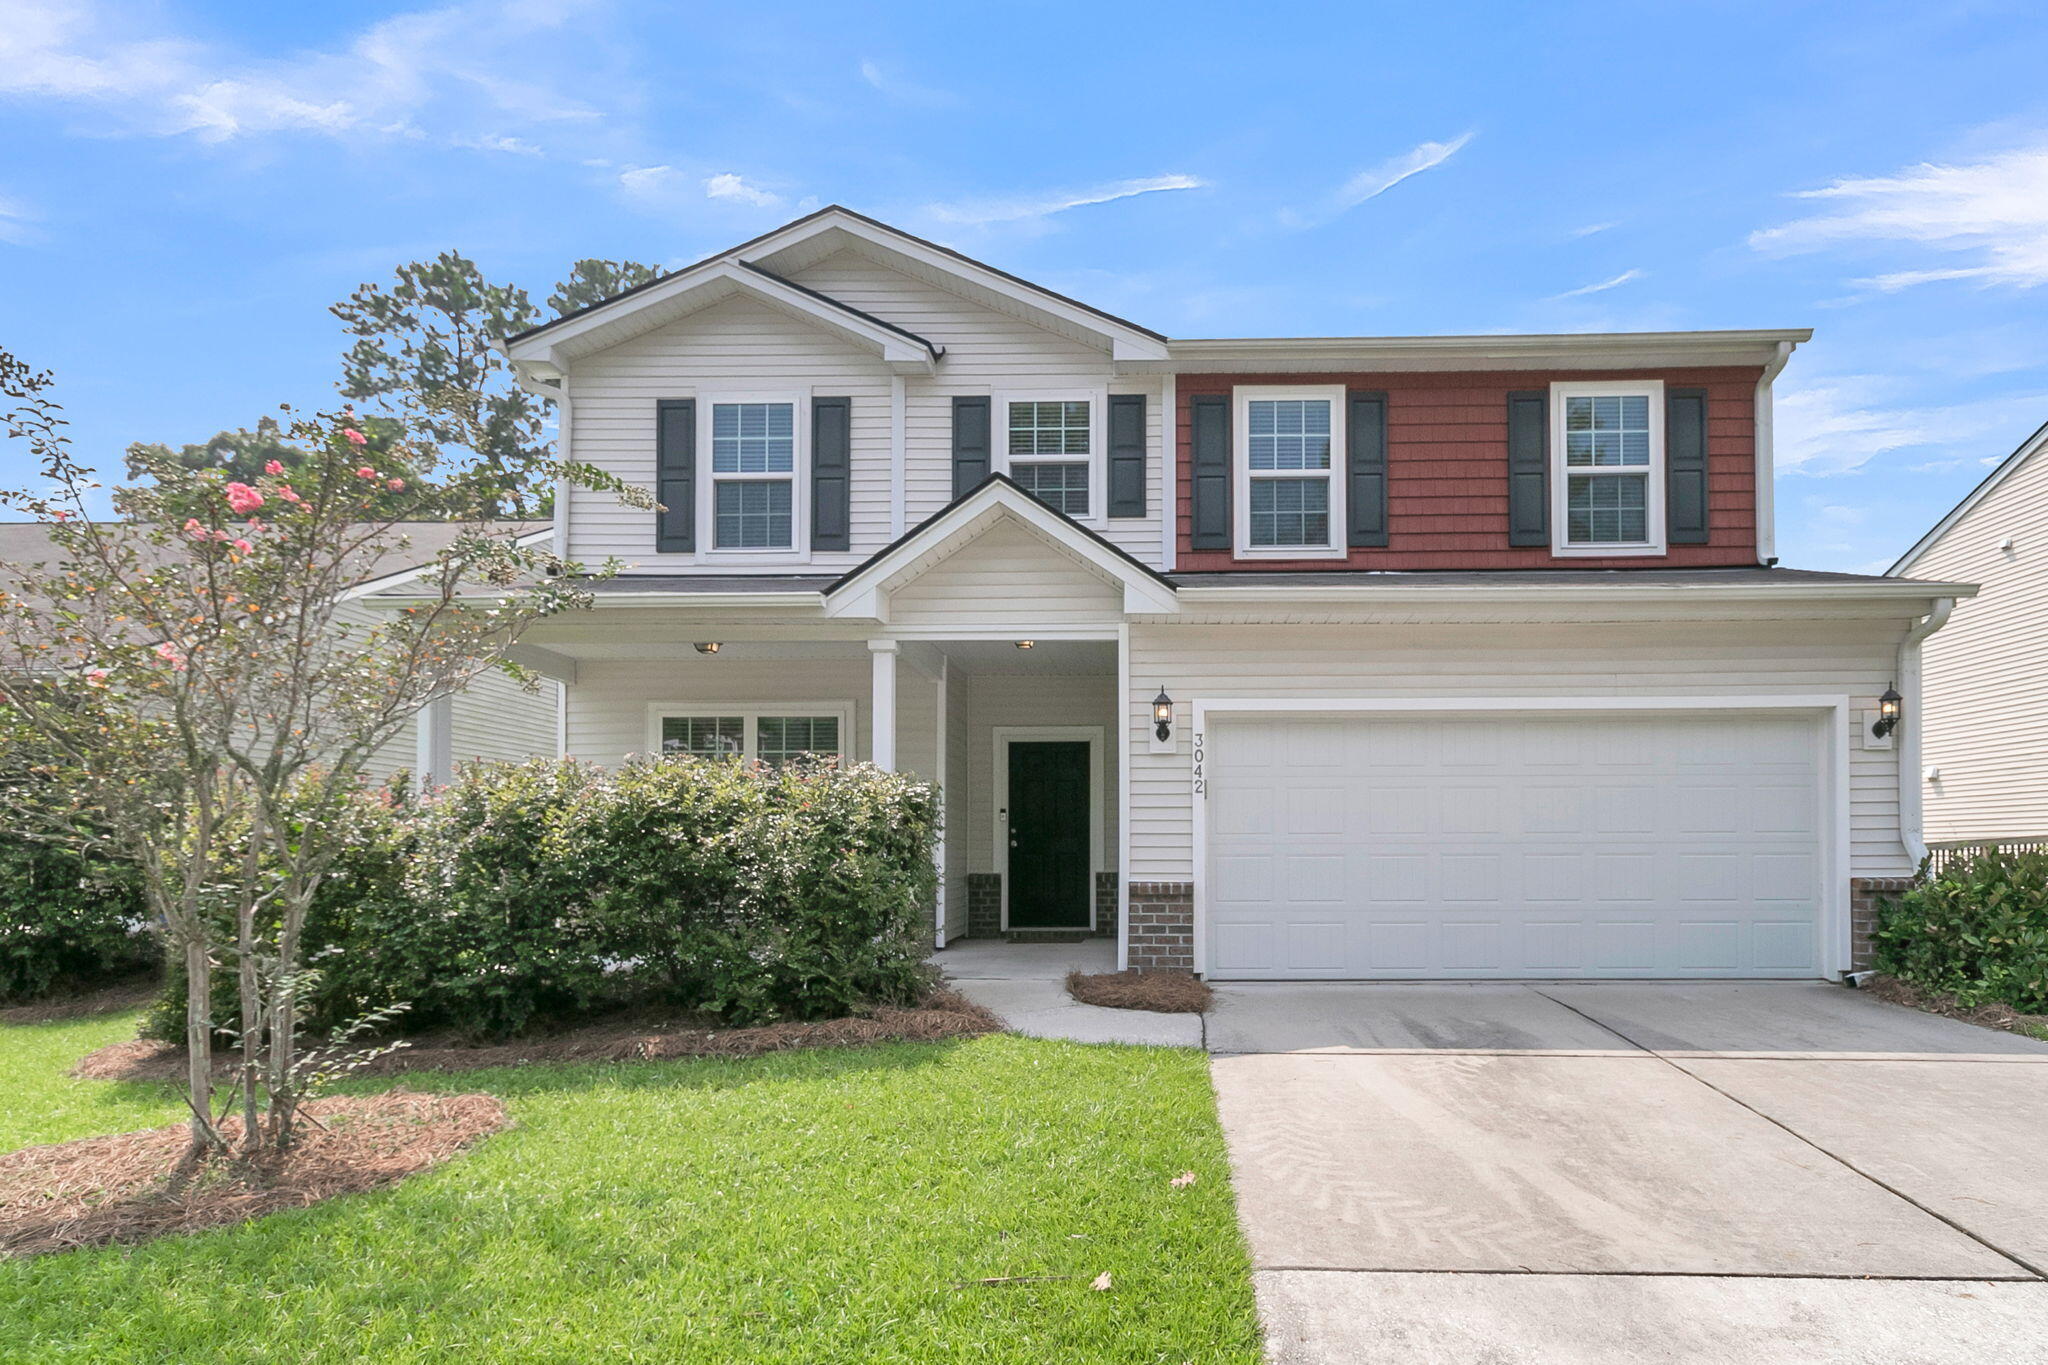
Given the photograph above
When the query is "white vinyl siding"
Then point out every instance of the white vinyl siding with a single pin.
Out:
(610, 701)
(1853, 657)
(1983, 711)
(1007, 576)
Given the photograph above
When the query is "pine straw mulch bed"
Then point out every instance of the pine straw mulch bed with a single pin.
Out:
(941, 1015)
(113, 1190)
(1161, 992)
(2004, 1018)
(131, 994)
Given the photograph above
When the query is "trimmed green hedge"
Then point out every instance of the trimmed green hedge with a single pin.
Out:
(541, 892)
(67, 921)
(1978, 930)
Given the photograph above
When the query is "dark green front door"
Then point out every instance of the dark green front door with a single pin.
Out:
(1048, 816)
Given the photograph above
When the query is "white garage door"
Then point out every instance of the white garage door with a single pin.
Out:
(1624, 846)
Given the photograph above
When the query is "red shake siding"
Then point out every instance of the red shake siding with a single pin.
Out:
(1447, 471)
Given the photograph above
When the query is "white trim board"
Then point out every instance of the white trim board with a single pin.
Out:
(999, 797)
(1829, 710)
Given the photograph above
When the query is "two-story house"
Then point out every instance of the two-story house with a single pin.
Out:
(1394, 657)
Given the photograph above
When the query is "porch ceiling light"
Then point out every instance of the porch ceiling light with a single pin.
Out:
(708, 646)
(1026, 644)
(1162, 716)
(1887, 713)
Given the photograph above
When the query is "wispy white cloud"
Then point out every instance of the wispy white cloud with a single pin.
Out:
(17, 221)
(1589, 229)
(1838, 425)
(1019, 208)
(1993, 213)
(1374, 181)
(445, 74)
(903, 91)
(730, 186)
(1602, 287)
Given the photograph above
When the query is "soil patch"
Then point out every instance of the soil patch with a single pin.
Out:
(1160, 992)
(2004, 1018)
(942, 1014)
(120, 995)
(104, 1190)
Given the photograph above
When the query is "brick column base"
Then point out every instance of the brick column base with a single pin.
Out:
(984, 905)
(1864, 894)
(1105, 904)
(1162, 933)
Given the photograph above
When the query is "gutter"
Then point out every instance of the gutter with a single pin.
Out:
(1600, 592)
(1766, 489)
(1911, 782)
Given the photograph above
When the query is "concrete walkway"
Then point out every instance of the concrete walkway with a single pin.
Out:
(1025, 983)
(1619, 1172)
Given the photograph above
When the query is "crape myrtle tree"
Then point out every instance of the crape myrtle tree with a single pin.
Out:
(178, 686)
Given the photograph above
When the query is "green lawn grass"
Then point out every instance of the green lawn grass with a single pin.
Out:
(807, 1207)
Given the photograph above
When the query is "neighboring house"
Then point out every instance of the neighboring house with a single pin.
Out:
(493, 718)
(1984, 745)
(1475, 660)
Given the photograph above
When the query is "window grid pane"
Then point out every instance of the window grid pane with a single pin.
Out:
(753, 515)
(704, 736)
(753, 438)
(782, 738)
(1289, 433)
(1062, 487)
(1056, 428)
(1607, 509)
(1607, 430)
(1287, 512)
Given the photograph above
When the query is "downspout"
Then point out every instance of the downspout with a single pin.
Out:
(1910, 780)
(1767, 459)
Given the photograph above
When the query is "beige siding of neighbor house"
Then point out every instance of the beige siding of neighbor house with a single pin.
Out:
(1448, 662)
(1984, 704)
(743, 346)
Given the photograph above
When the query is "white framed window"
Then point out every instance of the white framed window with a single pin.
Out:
(1051, 444)
(1607, 468)
(772, 733)
(1288, 498)
(753, 451)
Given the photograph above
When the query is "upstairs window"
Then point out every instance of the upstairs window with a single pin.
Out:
(1607, 453)
(753, 476)
(1050, 444)
(1289, 499)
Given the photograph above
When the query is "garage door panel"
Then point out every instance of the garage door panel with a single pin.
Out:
(1569, 846)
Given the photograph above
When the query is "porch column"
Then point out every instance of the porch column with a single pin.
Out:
(434, 744)
(883, 704)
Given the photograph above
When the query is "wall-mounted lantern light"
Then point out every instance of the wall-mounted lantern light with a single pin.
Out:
(1162, 716)
(1887, 713)
(707, 646)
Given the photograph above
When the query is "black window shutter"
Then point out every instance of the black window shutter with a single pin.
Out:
(970, 443)
(675, 475)
(1127, 454)
(1685, 466)
(1209, 436)
(1365, 496)
(1529, 467)
(831, 473)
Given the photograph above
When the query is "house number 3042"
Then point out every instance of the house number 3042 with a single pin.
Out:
(1201, 769)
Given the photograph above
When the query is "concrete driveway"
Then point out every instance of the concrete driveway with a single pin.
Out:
(1634, 1173)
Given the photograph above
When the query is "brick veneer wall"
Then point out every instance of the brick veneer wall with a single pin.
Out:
(1162, 934)
(1105, 904)
(1864, 894)
(984, 905)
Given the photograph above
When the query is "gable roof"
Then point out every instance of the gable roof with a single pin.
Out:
(859, 591)
(2028, 448)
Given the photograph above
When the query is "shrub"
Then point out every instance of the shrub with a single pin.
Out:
(67, 920)
(1978, 930)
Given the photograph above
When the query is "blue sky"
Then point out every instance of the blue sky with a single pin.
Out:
(187, 187)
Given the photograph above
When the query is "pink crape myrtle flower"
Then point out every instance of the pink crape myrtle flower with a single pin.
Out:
(395, 485)
(169, 654)
(220, 535)
(273, 469)
(366, 473)
(60, 515)
(286, 492)
(97, 677)
(243, 547)
(354, 437)
(194, 529)
(243, 499)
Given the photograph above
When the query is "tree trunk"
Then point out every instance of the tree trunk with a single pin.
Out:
(199, 1043)
(251, 992)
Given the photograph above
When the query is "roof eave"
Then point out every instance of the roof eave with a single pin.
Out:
(1602, 350)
